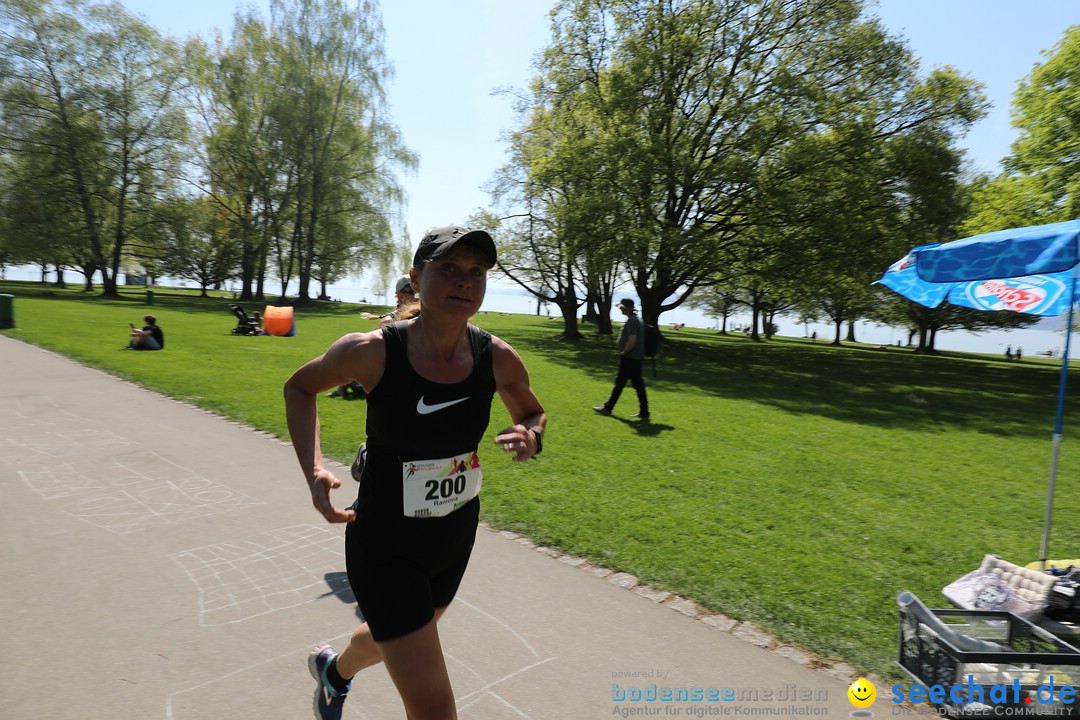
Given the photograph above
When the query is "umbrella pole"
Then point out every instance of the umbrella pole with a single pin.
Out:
(1058, 424)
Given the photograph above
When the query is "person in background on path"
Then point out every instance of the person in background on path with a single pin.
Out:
(431, 380)
(1008, 352)
(150, 337)
(404, 297)
(631, 355)
(406, 307)
(1019, 353)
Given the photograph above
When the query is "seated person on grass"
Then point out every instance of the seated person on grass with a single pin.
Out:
(149, 338)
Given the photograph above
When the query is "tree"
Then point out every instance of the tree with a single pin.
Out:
(300, 155)
(560, 215)
(1046, 110)
(1006, 201)
(540, 262)
(94, 92)
(196, 246)
(242, 174)
(49, 121)
(334, 128)
(706, 117)
(895, 181)
(716, 301)
(931, 321)
(39, 226)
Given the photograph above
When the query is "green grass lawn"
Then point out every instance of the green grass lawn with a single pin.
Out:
(800, 486)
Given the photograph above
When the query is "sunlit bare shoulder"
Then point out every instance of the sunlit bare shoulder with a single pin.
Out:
(359, 356)
(508, 365)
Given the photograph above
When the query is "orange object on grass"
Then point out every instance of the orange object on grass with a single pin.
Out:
(279, 321)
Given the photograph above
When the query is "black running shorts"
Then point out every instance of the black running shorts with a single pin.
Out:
(401, 569)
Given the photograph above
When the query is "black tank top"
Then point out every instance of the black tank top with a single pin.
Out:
(412, 418)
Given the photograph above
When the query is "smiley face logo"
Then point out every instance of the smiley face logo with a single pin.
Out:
(861, 693)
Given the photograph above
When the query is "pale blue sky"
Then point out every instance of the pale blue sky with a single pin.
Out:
(449, 57)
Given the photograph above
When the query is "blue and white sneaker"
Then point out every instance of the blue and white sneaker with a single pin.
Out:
(328, 701)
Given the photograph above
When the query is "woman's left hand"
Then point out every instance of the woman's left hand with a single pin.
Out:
(323, 482)
(519, 440)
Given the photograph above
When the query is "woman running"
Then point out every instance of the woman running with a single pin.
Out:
(430, 381)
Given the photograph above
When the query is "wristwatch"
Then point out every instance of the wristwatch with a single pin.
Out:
(539, 439)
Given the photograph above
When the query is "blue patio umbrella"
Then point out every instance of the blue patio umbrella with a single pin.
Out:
(1032, 270)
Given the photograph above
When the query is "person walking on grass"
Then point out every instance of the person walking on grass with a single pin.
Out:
(430, 381)
(631, 355)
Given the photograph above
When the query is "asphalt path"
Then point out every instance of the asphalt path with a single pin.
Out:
(162, 562)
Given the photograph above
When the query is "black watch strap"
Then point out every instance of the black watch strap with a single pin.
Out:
(539, 439)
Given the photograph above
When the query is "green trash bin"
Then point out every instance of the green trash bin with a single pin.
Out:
(7, 312)
(149, 297)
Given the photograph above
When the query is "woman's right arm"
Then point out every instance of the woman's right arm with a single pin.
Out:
(360, 357)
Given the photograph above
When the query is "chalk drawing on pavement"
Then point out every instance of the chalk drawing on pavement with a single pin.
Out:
(488, 675)
(241, 579)
(47, 432)
(132, 491)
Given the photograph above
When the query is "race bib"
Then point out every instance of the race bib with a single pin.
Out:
(433, 488)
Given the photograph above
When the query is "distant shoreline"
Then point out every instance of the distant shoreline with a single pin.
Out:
(1035, 341)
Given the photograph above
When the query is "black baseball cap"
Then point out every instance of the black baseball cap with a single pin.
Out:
(441, 240)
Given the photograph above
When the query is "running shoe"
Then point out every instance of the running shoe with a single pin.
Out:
(328, 701)
(602, 410)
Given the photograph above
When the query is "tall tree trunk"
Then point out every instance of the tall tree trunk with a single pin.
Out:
(603, 317)
(261, 261)
(922, 339)
(649, 309)
(308, 259)
(567, 302)
(249, 253)
(88, 275)
(296, 253)
(260, 278)
(82, 188)
(112, 275)
(591, 313)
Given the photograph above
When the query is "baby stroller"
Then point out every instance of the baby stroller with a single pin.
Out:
(244, 324)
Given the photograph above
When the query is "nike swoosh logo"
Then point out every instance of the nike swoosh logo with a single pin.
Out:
(425, 409)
